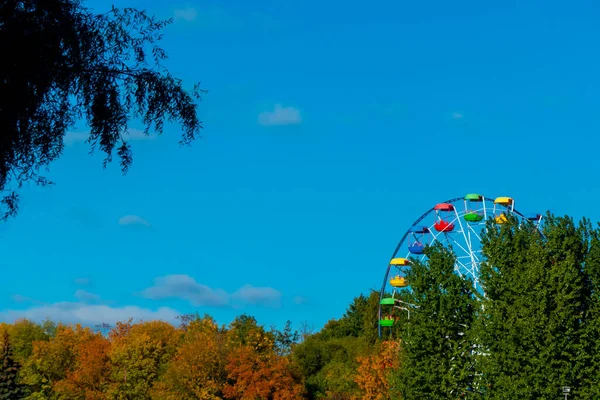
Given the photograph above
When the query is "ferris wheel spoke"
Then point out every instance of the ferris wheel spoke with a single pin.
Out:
(448, 224)
(467, 241)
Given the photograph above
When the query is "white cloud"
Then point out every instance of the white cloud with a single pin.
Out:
(85, 296)
(260, 296)
(457, 115)
(280, 116)
(133, 220)
(187, 288)
(86, 314)
(131, 134)
(188, 14)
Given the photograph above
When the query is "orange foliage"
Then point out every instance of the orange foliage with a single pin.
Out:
(261, 376)
(91, 370)
(198, 369)
(73, 364)
(373, 371)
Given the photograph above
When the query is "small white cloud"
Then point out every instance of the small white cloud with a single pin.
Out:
(133, 220)
(187, 14)
(86, 314)
(85, 296)
(187, 288)
(280, 116)
(457, 115)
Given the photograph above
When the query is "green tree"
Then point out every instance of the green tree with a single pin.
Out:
(24, 333)
(588, 366)
(329, 359)
(285, 339)
(437, 361)
(103, 68)
(10, 387)
(531, 324)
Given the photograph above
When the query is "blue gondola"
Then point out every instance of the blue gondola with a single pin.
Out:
(416, 248)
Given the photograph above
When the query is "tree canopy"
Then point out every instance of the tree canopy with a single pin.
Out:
(62, 63)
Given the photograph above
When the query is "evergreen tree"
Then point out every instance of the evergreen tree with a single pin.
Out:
(437, 361)
(529, 327)
(10, 388)
(587, 370)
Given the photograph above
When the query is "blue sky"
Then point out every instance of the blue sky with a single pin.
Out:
(329, 128)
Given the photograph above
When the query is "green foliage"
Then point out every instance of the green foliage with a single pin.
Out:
(24, 332)
(328, 359)
(587, 369)
(531, 326)
(10, 387)
(436, 360)
(286, 339)
(319, 359)
(103, 68)
(244, 330)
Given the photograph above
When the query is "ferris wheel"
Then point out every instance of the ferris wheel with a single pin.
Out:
(456, 223)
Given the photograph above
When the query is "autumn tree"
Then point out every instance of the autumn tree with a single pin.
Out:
(89, 376)
(72, 364)
(10, 386)
(197, 371)
(23, 333)
(254, 367)
(373, 374)
(139, 355)
(102, 68)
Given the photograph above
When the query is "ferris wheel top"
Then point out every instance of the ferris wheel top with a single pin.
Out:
(457, 223)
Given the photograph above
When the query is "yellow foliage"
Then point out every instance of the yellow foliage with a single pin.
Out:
(138, 355)
(373, 370)
(198, 369)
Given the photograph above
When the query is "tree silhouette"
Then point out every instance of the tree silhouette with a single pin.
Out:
(62, 63)
(10, 388)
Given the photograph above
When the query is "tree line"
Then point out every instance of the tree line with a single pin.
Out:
(198, 359)
(531, 329)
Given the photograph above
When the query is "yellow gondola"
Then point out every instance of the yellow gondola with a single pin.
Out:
(399, 261)
(399, 281)
(504, 201)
